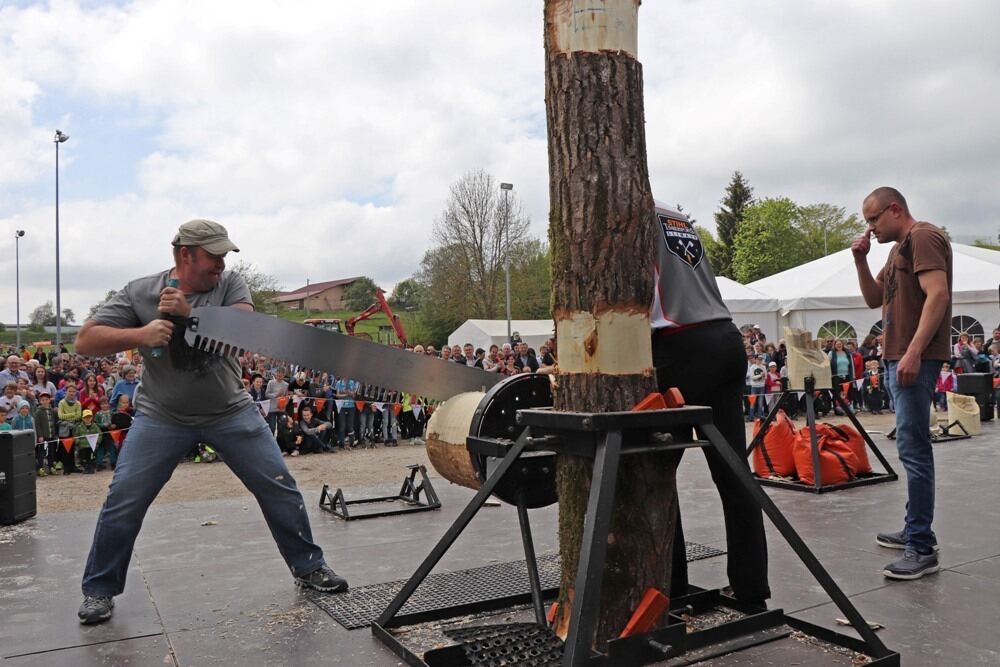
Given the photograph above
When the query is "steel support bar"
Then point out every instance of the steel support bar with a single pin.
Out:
(593, 552)
(750, 485)
(456, 529)
(530, 561)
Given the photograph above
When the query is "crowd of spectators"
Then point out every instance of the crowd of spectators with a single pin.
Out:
(80, 409)
(857, 372)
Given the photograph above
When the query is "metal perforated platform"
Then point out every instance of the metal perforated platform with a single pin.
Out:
(358, 607)
(521, 644)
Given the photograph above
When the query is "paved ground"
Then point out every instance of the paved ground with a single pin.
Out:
(220, 595)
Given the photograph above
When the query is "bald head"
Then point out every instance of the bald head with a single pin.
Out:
(884, 196)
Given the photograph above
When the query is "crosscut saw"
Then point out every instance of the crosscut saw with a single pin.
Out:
(229, 332)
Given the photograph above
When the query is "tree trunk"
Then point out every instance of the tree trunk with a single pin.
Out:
(603, 255)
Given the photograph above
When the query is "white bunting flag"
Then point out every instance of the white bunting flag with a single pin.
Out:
(379, 406)
(340, 404)
(92, 440)
(264, 407)
(800, 394)
(858, 383)
(416, 411)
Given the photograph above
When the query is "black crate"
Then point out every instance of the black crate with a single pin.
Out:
(979, 385)
(17, 476)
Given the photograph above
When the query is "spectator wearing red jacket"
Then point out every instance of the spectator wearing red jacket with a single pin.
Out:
(945, 383)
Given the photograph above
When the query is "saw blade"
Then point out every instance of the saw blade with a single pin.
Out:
(228, 331)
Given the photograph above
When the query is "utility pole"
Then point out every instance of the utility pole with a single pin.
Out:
(507, 187)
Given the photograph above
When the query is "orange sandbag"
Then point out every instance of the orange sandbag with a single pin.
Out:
(837, 461)
(854, 440)
(774, 455)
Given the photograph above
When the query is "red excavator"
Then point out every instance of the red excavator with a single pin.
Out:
(380, 305)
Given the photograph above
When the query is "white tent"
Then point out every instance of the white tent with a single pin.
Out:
(750, 306)
(825, 292)
(483, 333)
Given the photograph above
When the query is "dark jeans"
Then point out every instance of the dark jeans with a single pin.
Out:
(154, 449)
(708, 365)
(913, 442)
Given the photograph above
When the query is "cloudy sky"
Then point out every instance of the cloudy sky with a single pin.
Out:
(325, 135)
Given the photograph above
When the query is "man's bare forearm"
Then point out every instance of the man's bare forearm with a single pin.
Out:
(871, 291)
(98, 340)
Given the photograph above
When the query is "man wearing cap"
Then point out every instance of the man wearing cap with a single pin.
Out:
(184, 397)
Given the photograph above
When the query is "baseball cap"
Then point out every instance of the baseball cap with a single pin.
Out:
(773, 363)
(206, 234)
(88, 413)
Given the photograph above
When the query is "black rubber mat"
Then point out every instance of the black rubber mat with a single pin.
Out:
(358, 607)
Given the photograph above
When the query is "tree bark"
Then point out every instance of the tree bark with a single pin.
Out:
(603, 255)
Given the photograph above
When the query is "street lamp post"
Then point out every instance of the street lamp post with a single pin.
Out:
(507, 187)
(59, 138)
(17, 280)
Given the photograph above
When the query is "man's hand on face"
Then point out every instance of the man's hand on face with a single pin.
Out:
(157, 333)
(173, 302)
(862, 244)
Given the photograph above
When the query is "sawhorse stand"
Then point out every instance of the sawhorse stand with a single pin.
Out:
(406, 501)
(605, 438)
(818, 487)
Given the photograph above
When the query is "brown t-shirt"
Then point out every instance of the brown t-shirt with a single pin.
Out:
(925, 248)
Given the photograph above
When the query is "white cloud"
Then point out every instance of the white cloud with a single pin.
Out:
(325, 135)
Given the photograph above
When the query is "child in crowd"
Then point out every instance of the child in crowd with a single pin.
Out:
(756, 374)
(872, 388)
(9, 398)
(4, 424)
(70, 414)
(107, 448)
(46, 435)
(122, 418)
(88, 435)
(945, 383)
(22, 421)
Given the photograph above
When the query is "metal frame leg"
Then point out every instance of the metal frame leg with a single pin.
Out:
(771, 414)
(593, 552)
(878, 649)
(864, 434)
(461, 523)
(530, 561)
(813, 441)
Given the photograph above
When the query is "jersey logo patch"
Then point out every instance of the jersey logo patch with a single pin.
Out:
(682, 240)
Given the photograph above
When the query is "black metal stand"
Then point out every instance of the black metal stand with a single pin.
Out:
(605, 438)
(405, 502)
(818, 487)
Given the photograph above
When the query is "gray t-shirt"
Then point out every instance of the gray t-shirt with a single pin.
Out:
(183, 386)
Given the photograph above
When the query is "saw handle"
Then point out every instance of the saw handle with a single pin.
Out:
(157, 352)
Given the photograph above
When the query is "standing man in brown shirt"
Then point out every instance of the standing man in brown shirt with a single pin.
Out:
(914, 290)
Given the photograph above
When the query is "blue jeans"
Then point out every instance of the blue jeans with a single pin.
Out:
(913, 442)
(146, 462)
(388, 424)
(345, 424)
(758, 409)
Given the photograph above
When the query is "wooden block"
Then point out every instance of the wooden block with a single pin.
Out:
(805, 358)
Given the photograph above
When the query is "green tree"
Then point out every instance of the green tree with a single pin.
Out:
(445, 284)
(97, 306)
(45, 316)
(263, 286)
(360, 294)
(985, 243)
(406, 296)
(713, 249)
(529, 281)
(767, 241)
(482, 227)
(824, 229)
(728, 220)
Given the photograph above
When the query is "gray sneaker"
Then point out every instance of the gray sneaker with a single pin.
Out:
(898, 540)
(95, 609)
(324, 579)
(912, 566)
